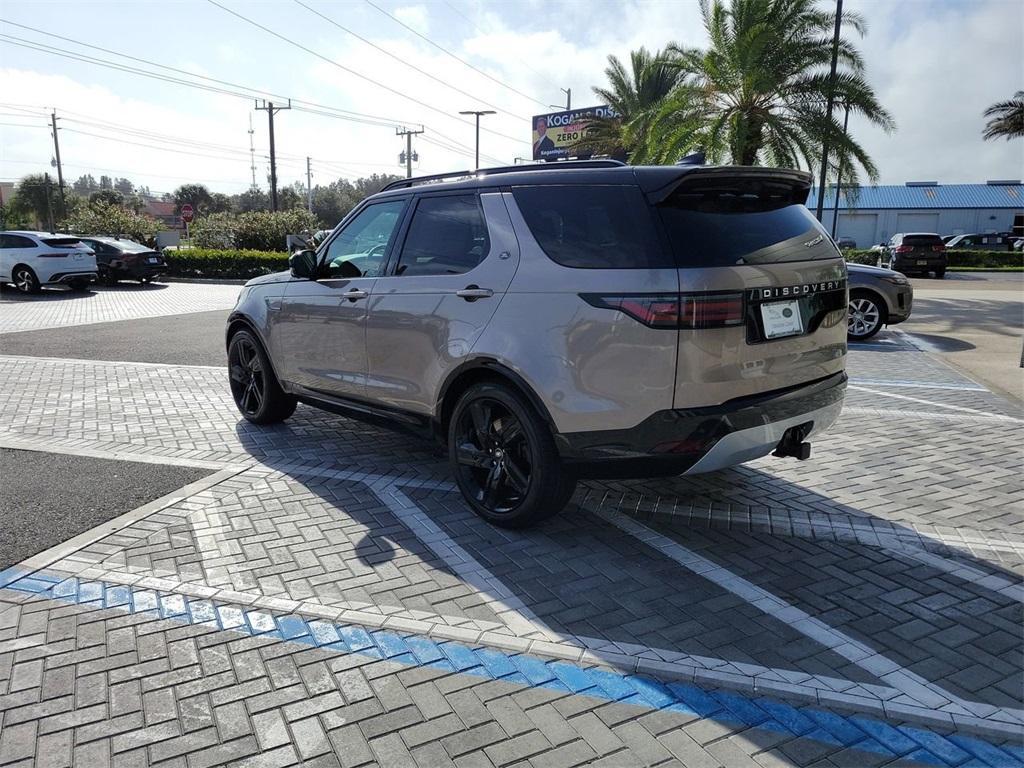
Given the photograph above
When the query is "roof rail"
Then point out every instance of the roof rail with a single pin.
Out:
(563, 164)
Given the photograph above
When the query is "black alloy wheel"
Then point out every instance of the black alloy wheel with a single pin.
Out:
(493, 453)
(254, 387)
(504, 458)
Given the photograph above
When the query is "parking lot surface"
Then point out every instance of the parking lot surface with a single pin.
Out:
(321, 595)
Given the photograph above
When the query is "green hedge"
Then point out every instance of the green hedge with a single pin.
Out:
(957, 258)
(233, 264)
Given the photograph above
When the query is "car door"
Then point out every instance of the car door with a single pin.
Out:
(6, 261)
(18, 249)
(457, 258)
(319, 333)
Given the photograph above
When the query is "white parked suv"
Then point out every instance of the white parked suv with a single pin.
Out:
(29, 260)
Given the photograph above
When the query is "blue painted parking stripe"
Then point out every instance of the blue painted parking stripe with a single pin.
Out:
(728, 707)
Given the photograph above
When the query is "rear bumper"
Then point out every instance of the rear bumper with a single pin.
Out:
(64, 278)
(695, 440)
(910, 263)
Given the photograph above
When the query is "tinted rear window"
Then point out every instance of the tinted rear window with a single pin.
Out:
(922, 240)
(593, 226)
(719, 230)
(61, 242)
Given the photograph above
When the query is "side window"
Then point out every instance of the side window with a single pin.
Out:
(447, 236)
(16, 241)
(593, 226)
(359, 249)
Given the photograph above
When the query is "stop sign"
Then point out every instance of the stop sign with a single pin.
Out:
(187, 214)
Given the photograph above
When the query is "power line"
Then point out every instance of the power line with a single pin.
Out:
(402, 61)
(457, 58)
(361, 76)
(307, 106)
(479, 31)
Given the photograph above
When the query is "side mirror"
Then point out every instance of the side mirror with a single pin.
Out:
(303, 264)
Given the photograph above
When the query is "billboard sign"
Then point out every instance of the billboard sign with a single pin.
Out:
(557, 135)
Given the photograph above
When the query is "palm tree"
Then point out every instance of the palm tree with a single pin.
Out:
(636, 95)
(758, 94)
(1006, 118)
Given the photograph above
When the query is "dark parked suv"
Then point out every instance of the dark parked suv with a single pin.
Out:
(916, 252)
(565, 321)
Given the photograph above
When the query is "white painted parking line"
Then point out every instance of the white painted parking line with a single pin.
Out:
(933, 404)
(916, 385)
(919, 691)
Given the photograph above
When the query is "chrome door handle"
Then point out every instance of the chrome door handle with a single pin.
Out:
(473, 292)
(356, 293)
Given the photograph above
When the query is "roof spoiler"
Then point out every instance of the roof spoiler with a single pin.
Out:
(744, 177)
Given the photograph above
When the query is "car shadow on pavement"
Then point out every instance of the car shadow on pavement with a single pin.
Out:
(588, 580)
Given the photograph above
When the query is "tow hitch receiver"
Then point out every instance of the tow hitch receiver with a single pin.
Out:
(792, 442)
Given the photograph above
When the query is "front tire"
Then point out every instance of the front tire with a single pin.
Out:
(257, 393)
(79, 286)
(940, 274)
(25, 279)
(865, 316)
(504, 458)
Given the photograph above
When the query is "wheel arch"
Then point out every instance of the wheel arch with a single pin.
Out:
(237, 322)
(472, 372)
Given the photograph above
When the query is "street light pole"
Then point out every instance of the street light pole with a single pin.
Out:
(828, 110)
(839, 176)
(478, 113)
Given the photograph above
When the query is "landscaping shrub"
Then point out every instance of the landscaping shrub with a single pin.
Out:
(225, 264)
(957, 258)
(103, 219)
(254, 230)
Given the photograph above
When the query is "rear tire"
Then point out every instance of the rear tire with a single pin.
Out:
(25, 279)
(504, 458)
(257, 393)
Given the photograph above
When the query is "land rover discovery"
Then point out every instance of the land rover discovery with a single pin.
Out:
(562, 321)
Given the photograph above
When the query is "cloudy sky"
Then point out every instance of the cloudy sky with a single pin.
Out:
(936, 64)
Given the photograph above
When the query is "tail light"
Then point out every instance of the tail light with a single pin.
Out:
(129, 258)
(674, 310)
(938, 248)
(904, 248)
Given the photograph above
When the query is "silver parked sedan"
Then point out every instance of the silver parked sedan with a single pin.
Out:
(878, 297)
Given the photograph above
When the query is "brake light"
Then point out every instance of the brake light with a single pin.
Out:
(904, 248)
(674, 310)
(938, 248)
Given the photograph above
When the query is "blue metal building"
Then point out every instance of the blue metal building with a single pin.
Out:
(871, 215)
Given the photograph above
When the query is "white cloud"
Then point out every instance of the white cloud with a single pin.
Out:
(416, 16)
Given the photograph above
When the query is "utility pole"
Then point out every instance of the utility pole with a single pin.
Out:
(828, 110)
(478, 113)
(252, 154)
(270, 109)
(408, 133)
(839, 176)
(49, 205)
(568, 99)
(60, 169)
(309, 186)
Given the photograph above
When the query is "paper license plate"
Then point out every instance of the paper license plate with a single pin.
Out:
(781, 318)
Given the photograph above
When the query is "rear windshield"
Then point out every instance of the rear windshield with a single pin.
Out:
(129, 246)
(590, 226)
(922, 240)
(62, 242)
(720, 229)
